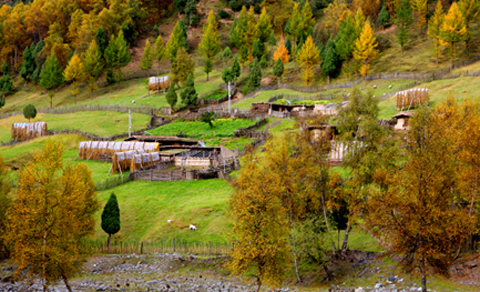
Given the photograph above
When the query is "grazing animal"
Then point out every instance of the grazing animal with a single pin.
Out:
(193, 227)
(169, 220)
(374, 87)
(390, 86)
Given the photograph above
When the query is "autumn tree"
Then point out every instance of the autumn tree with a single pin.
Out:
(420, 7)
(335, 13)
(171, 96)
(365, 49)
(434, 26)
(411, 209)
(146, 62)
(159, 53)
(182, 67)
(189, 95)
(209, 46)
(51, 216)
(51, 76)
(176, 41)
(75, 73)
(5, 202)
(308, 56)
(403, 20)
(281, 53)
(93, 64)
(470, 10)
(260, 228)
(453, 30)
(111, 218)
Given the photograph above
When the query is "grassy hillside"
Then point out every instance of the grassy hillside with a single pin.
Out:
(146, 206)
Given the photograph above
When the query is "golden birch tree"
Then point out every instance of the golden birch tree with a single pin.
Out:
(51, 216)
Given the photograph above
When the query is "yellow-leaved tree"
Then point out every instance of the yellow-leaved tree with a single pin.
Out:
(5, 201)
(470, 10)
(434, 25)
(75, 73)
(365, 49)
(308, 56)
(209, 46)
(51, 216)
(282, 53)
(453, 30)
(420, 7)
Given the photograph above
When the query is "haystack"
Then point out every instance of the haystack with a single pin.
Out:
(122, 160)
(27, 131)
(91, 150)
(141, 161)
(158, 83)
(412, 97)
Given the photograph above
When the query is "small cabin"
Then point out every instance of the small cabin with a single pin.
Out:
(325, 130)
(402, 121)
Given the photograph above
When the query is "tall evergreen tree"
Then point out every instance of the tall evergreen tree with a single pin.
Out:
(6, 86)
(28, 65)
(117, 56)
(189, 94)
(171, 96)
(272, 40)
(257, 50)
(51, 76)
(209, 46)
(434, 26)
(403, 20)
(255, 76)
(176, 41)
(111, 218)
(235, 70)
(159, 53)
(39, 60)
(278, 69)
(182, 67)
(5, 69)
(383, 17)
(102, 40)
(146, 62)
(93, 65)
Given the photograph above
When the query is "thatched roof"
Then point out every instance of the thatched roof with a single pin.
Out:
(403, 115)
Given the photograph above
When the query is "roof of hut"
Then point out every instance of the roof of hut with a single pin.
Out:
(401, 115)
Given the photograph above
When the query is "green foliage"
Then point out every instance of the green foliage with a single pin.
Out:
(217, 94)
(272, 40)
(208, 118)
(102, 40)
(278, 69)
(39, 60)
(6, 86)
(346, 39)
(227, 75)
(5, 68)
(111, 216)
(176, 41)
(146, 62)
(288, 45)
(182, 67)
(257, 50)
(255, 76)
(191, 12)
(312, 240)
(5, 202)
(383, 17)
(331, 62)
(403, 20)
(28, 65)
(233, 36)
(236, 68)
(263, 62)
(29, 112)
(52, 74)
(208, 66)
(117, 56)
(171, 96)
(189, 94)
(129, 33)
(227, 54)
(223, 128)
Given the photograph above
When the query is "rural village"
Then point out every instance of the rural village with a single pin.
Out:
(261, 145)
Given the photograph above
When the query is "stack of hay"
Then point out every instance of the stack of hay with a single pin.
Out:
(412, 97)
(157, 83)
(27, 131)
(93, 149)
(123, 160)
(140, 161)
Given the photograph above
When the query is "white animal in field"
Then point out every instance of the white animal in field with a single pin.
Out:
(390, 86)
(169, 221)
(193, 227)
(374, 87)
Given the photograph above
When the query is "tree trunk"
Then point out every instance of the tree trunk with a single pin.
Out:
(345, 239)
(75, 99)
(328, 79)
(207, 76)
(109, 237)
(424, 275)
(111, 88)
(259, 284)
(65, 280)
(326, 221)
(294, 239)
(51, 102)
(91, 94)
(401, 50)
(278, 83)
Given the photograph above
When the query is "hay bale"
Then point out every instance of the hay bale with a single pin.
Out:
(158, 83)
(27, 131)
(412, 97)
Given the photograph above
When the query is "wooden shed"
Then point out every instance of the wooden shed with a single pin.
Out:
(402, 121)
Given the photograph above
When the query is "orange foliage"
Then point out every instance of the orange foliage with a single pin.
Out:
(282, 53)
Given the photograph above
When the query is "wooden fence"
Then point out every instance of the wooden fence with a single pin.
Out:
(113, 181)
(160, 246)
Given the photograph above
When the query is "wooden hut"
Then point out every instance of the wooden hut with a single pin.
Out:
(402, 121)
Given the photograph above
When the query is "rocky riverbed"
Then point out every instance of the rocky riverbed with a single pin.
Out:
(189, 273)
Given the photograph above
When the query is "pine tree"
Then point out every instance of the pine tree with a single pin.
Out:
(146, 62)
(182, 67)
(272, 40)
(233, 36)
(288, 45)
(346, 38)
(263, 62)
(117, 56)
(102, 41)
(176, 41)
(29, 112)
(227, 75)
(39, 60)
(365, 49)
(470, 10)
(235, 70)
(5, 69)
(209, 46)
(453, 30)
(308, 55)
(330, 65)
(159, 53)
(227, 54)
(420, 7)
(359, 20)
(434, 26)
(189, 94)
(264, 27)
(51, 76)
(74, 73)
(383, 17)
(6, 86)
(257, 50)
(403, 20)
(171, 96)
(281, 53)
(111, 218)
(93, 65)
(28, 65)
(255, 76)
(278, 69)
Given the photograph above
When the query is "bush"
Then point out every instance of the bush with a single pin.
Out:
(245, 89)
(223, 14)
(235, 5)
(29, 112)
(217, 94)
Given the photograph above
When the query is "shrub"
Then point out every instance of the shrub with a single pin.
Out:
(29, 112)
(223, 14)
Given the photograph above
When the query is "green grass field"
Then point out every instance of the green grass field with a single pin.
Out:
(221, 128)
(146, 206)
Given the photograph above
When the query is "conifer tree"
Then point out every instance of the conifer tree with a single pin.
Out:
(403, 20)
(171, 96)
(383, 17)
(146, 62)
(263, 62)
(117, 56)
(470, 10)
(102, 41)
(29, 112)
(453, 30)
(257, 50)
(278, 69)
(6, 86)
(281, 53)
(28, 65)
(288, 45)
(434, 26)
(264, 27)
(159, 53)
(189, 94)
(209, 46)
(51, 76)
(365, 49)
(182, 67)
(235, 70)
(176, 41)
(330, 65)
(111, 218)
(308, 55)
(421, 10)
(272, 40)
(227, 54)
(74, 73)
(39, 60)
(227, 75)
(93, 66)
(255, 76)
(359, 20)
(5, 69)
(233, 36)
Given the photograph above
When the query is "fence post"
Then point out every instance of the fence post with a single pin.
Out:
(151, 174)
(141, 248)
(173, 244)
